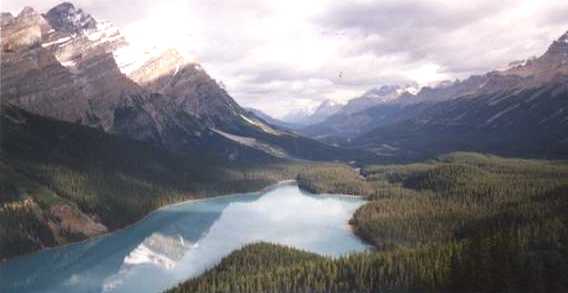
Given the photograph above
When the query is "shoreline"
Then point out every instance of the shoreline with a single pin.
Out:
(145, 217)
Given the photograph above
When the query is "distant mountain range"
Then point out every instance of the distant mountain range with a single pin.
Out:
(66, 65)
(273, 121)
(308, 117)
(520, 110)
(347, 121)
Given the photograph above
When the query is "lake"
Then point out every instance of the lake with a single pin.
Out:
(181, 241)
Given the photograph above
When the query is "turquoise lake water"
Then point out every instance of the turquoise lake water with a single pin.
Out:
(182, 241)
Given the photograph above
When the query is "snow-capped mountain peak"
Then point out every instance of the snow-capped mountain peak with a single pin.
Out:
(390, 92)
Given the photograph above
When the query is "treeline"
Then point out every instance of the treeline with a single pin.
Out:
(266, 267)
(463, 222)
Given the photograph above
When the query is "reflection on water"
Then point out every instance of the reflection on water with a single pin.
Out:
(163, 251)
(184, 240)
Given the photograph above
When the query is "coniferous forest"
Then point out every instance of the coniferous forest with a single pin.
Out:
(463, 222)
(144, 147)
(61, 182)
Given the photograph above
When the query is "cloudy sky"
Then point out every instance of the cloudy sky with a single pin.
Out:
(280, 56)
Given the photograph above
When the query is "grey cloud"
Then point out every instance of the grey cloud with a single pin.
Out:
(413, 31)
(556, 16)
(393, 17)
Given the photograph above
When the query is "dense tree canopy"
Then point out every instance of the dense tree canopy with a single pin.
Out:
(463, 222)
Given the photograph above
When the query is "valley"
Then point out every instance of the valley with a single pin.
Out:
(137, 169)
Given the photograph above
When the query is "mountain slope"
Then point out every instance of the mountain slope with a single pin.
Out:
(529, 122)
(61, 182)
(351, 119)
(271, 120)
(539, 72)
(518, 111)
(312, 116)
(67, 65)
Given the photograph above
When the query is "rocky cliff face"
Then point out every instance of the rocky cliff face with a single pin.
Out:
(67, 65)
(56, 67)
(63, 64)
(28, 68)
(551, 66)
(194, 90)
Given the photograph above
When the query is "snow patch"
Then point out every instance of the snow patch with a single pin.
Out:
(56, 42)
(69, 63)
(496, 116)
(413, 90)
(130, 58)
(176, 71)
(260, 125)
(104, 30)
(253, 143)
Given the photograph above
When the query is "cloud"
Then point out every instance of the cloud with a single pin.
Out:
(400, 16)
(461, 38)
(283, 55)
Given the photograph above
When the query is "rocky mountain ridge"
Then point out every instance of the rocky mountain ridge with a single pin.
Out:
(519, 111)
(67, 65)
(538, 72)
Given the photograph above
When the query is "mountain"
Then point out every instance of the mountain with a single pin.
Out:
(61, 182)
(519, 111)
(325, 110)
(67, 65)
(271, 120)
(386, 94)
(546, 71)
(351, 119)
(307, 117)
(298, 116)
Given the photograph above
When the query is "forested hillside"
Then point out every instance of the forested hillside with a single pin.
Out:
(463, 222)
(61, 182)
